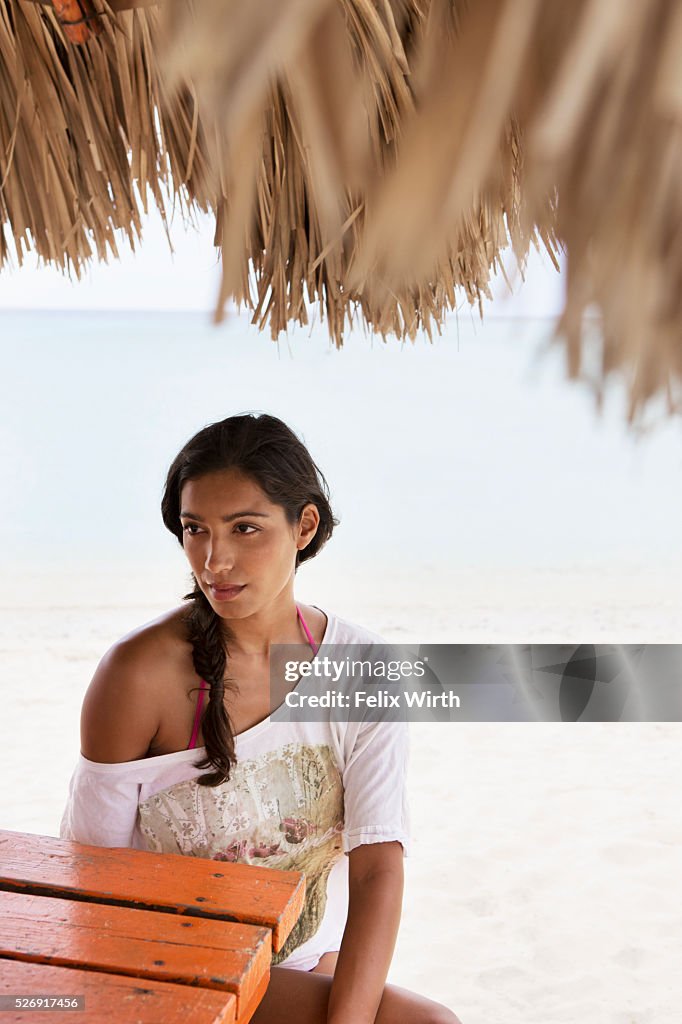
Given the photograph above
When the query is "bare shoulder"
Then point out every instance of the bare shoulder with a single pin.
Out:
(162, 638)
(123, 703)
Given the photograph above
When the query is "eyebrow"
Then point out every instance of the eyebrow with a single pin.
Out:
(225, 519)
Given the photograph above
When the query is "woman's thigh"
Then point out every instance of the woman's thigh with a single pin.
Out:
(301, 997)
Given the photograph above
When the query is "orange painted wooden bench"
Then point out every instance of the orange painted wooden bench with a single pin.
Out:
(141, 932)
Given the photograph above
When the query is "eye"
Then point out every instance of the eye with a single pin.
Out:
(243, 527)
(192, 529)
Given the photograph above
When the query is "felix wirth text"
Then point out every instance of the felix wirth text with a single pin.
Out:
(378, 699)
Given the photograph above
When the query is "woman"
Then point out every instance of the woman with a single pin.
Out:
(248, 505)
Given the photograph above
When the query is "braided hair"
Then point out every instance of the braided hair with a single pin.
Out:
(267, 450)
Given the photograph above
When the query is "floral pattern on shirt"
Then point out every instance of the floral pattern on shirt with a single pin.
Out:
(282, 809)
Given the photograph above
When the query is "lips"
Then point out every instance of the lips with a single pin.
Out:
(226, 592)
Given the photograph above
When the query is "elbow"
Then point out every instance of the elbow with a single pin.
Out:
(379, 879)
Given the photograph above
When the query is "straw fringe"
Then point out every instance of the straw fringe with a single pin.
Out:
(331, 85)
(594, 89)
(370, 157)
(87, 135)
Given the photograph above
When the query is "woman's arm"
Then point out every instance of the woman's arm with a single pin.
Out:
(120, 715)
(375, 904)
(118, 720)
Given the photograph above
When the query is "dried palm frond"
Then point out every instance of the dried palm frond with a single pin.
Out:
(595, 90)
(328, 86)
(86, 136)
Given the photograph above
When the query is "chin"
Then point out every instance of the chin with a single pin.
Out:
(236, 609)
(227, 609)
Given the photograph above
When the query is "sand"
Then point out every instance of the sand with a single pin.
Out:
(544, 884)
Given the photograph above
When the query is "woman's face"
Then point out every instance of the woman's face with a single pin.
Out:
(240, 546)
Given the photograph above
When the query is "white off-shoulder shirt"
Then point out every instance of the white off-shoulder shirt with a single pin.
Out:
(301, 795)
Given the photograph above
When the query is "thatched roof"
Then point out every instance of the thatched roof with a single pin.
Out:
(372, 156)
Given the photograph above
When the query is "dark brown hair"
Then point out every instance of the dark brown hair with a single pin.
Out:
(267, 450)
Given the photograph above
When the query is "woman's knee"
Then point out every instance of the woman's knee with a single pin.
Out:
(441, 1015)
(437, 1014)
(399, 1005)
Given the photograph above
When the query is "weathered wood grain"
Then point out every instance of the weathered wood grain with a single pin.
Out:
(162, 882)
(228, 957)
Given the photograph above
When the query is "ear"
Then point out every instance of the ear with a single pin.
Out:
(307, 526)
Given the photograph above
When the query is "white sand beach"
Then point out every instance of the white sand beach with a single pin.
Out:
(543, 886)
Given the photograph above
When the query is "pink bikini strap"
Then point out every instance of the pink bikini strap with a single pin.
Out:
(197, 715)
(307, 632)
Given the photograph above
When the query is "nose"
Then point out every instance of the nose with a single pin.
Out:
(219, 556)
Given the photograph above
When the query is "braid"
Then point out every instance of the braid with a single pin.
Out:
(207, 635)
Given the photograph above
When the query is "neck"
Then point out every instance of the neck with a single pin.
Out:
(275, 623)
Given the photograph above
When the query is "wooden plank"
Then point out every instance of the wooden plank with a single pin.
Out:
(248, 1009)
(165, 882)
(110, 997)
(233, 958)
